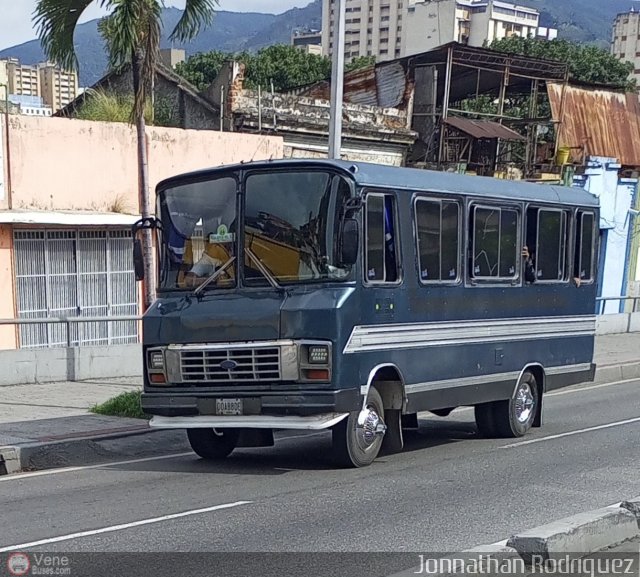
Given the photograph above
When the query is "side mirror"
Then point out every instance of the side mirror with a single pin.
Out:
(350, 242)
(138, 259)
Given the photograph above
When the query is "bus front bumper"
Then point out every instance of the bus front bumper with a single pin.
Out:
(312, 423)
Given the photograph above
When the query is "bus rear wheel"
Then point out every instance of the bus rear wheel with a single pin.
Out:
(213, 444)
(512, 417)
(358, 438)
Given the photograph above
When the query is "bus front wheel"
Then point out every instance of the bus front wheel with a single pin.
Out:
(358, 438)
(213, 444)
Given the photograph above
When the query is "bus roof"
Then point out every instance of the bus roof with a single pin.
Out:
(412, 179)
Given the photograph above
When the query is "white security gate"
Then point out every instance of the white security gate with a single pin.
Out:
(71, 273)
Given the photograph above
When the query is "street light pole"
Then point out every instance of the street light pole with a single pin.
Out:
(337, 82)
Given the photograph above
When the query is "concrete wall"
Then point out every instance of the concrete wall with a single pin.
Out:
(62, 164)
(429, 25)
(618, 323)
(616, 196)
(27, 366)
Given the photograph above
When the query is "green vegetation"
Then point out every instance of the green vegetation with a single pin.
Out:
(285, 66)
(123, 405)
(587, 63)
(104, 106)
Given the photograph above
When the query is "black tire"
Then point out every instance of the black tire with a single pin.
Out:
(349, 448)
(213, 444)
(484, 420)
(515, 416)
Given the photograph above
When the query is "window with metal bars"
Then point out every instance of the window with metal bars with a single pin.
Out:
(75, 273)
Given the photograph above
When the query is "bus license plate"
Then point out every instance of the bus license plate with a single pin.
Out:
(229, 406)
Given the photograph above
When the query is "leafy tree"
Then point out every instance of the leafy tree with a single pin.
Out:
(132, 33)
(201, 69)
(285, 65)
(587, 63)
(360, 62)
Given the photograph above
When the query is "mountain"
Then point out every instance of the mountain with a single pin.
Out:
(580, 20)
(230, 32)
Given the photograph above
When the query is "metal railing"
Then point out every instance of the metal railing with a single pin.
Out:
(602, 301)
(68, 321)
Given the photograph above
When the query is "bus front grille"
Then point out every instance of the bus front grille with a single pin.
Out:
(230, 365)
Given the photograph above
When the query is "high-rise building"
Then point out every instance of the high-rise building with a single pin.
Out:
(46, 81)
(4, 81)
(431, 23)
(57, 87)
(372, 28)
(23, 80)
(625, 40)
(388, 29)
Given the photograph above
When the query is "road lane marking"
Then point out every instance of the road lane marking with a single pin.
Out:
(123, 526)
(570, 433)
(20, 476)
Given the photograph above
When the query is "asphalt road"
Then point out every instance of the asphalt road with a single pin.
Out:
(448, 490)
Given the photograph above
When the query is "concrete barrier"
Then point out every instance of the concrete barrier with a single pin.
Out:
(25, 366)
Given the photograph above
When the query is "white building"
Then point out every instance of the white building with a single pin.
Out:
(431, 23)
(388, 29)
(625, 40)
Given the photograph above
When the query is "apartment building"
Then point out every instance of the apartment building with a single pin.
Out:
(55, 87)
(309, 41)
(22, 80)
(625, 40)
(388, 29)
(431, 23)
(372, 28)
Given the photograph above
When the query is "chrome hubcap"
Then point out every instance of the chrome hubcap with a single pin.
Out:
(524, 403)
(369, 427)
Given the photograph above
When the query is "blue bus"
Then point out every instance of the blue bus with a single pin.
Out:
(317, 294)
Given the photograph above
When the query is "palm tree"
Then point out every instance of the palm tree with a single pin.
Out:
(132, 32)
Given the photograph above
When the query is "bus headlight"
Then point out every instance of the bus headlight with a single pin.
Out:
(318, 355)
(156, 367)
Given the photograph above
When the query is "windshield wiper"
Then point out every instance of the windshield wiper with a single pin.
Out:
(214, 276)
(264, 270)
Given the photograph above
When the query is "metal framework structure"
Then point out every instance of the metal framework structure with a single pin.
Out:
(451, 78)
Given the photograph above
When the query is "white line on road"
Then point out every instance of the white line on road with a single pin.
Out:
(123, 526)
(570, 433)
(21, 476)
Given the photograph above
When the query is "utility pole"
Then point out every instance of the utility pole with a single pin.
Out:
(337, 81)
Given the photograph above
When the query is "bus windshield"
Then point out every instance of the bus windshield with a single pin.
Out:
(291, 225)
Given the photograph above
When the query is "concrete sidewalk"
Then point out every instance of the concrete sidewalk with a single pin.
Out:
(34, 417)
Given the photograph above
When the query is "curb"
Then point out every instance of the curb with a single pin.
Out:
(612, 373)
(71, 451)
(576, 537)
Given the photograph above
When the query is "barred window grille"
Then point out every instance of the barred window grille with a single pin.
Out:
(71, 273)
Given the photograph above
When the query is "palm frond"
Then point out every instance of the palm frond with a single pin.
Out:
(55, 22)
(197, 14)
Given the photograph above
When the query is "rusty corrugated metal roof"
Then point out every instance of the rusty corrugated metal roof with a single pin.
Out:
(605, 122)
(386, 85)
(483, 128)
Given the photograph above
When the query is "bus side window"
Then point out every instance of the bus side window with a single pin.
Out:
(546, 240)
(381, 242)
(585, 246)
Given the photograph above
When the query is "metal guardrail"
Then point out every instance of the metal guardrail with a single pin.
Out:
(67, 321)
(602, 301)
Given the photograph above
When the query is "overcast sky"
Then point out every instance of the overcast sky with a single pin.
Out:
(16, 27)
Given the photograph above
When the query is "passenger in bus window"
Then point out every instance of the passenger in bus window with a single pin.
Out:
(529, 265)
